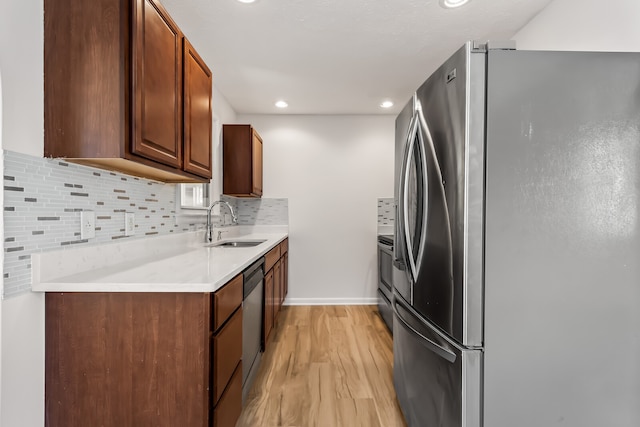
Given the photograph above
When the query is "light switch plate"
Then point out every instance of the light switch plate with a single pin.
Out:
(129, 224)
(87, 224)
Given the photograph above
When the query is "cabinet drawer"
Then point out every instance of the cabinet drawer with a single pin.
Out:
(271, 257)
(226, 300)
(228, 410)
(284, 247)
(227, 352)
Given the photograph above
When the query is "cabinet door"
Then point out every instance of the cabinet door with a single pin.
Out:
(127, 359)
(197, 113)
(285, 276)
(226, 300)
(277, 289)
(256, 164)
(268, 306)
(157, 85)
(227, 353)
(229, 406)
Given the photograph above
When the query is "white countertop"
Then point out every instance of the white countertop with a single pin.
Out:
(179, 263)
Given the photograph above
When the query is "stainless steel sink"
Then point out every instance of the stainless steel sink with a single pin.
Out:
(235, 244)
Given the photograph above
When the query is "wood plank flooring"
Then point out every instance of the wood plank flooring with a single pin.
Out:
(325, 366)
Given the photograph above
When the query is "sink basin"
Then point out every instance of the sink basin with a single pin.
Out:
(235, 244)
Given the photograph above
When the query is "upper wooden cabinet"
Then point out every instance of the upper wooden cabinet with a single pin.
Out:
(242, 161)
(197, 113)
(124, 90)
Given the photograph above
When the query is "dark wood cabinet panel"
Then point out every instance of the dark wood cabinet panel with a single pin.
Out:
(242, 161)
(271, 257)
(117, 359)
(113, 92)
(284, 270)
(86, 97)
(197, 113)
(277, 289)
(268, 307)
(256, 163)
(229, 407)
(227, 353)
(226, 300)
(285, 276)
(157, 83)
(276, 286)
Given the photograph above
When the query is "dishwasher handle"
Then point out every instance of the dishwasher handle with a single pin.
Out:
(251, 282)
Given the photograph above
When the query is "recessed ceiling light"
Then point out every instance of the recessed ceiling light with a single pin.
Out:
(386, 104)
(282, 104)
(450, 4)
(246, 1)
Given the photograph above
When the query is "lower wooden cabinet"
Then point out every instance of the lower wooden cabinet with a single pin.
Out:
(285, 275)
(268, 308)
(143, 359)
(276, 286)
(227, 353)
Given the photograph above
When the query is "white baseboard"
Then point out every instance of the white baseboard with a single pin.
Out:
(331, 301)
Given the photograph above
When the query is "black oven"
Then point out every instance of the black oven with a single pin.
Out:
(385, 263)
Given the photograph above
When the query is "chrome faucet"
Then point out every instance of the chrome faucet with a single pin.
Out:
(234, 219)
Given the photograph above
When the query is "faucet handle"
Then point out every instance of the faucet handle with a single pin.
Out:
(220, 233)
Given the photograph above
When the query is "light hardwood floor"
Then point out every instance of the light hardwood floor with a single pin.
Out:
(325, 366)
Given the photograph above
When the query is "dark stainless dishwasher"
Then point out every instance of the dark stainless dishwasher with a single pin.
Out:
(253, 290)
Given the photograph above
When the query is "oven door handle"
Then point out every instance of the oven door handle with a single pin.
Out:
(386, 248)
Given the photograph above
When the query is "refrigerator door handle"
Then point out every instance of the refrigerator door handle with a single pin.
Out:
(426, 342)
(414, 131)
(404, 201)
(425, 183)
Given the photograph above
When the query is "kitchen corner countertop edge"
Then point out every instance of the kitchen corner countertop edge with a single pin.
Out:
(187, 267)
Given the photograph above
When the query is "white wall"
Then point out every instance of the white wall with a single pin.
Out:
(22, 324)
(222, 113)
(22, 62)
(611, 25)
(332, 169)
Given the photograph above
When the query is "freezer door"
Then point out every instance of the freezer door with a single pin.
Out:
(446, 249)
(437, 382)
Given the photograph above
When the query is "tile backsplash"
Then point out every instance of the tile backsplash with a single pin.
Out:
(386, 212)
(43, 201)
(263, 211)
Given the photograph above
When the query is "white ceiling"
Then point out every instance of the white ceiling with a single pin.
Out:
(335, 56)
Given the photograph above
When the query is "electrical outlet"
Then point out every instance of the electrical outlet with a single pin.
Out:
(129, 223)
(87, 224)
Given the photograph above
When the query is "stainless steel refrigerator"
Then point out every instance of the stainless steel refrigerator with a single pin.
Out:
(517, 243)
